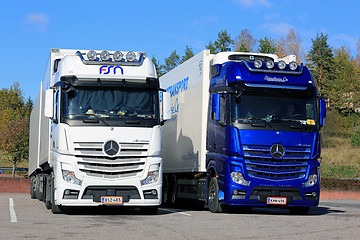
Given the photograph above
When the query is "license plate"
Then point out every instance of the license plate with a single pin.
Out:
(277, 200)
(111, 200)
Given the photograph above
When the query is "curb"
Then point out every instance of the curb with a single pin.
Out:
(22, 185)
(337, 194)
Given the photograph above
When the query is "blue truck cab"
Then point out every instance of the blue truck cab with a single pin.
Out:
(263, 141)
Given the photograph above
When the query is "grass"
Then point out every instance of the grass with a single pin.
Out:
(339, 159)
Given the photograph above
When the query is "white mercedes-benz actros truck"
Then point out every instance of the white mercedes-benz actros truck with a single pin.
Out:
(95, 131)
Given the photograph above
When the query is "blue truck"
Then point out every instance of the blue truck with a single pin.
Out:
(244, 131)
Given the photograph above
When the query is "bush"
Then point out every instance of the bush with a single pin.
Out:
(355, 139)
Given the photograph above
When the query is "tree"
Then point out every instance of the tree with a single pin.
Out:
(321, 62)
(294, 45)
(245, 42)
(11, 101)
(343, 91)
(14, 124)
(222, 44)
(281, 50)
(188, 54)
(267, 45)
(172, 61)
(158, 67)
(14, 141)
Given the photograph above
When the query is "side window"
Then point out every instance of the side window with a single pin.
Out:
(223, 109)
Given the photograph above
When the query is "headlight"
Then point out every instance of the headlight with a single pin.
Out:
(91, 55)
(118, 56)
(69, 176)
(152, 177)
(281, 65)
(270, 64)
(238, 178)
(130, 56)
(293, 66)
(313, 179)
(104, 55)
(258, 64)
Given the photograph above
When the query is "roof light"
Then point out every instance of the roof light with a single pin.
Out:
(130, 56)
(104, 55)
(270, 64)
(258, 63)
(281, 65)
(118, 56)
(91, 55)
(293, 66)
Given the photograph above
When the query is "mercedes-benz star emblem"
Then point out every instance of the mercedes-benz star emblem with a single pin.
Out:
(111, 148)
(277, 151)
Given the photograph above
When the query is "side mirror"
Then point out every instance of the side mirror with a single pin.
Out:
(166, 105)
(49, 103)
(322, 110)
(215, 107)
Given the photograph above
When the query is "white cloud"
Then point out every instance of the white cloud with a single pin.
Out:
(38, 21)
(252, 3)
(204, 21)
(278, 29)
(344, 40)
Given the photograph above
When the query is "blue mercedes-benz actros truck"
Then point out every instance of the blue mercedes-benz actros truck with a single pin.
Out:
(244, 131)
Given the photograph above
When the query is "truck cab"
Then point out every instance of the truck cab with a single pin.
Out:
(95, 131)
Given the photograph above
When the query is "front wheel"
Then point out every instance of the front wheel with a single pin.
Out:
(213, 195)
(56, 209)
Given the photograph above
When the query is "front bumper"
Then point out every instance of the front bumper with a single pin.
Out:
(93, 188)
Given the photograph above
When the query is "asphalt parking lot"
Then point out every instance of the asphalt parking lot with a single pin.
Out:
(25, 218)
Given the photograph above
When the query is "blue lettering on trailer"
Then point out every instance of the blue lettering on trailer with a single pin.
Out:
(107, 69)
(174, 90)
(178, 87)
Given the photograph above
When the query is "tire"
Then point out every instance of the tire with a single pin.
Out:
(48, 204)
(213, 197)
(299, 210)
(149, 210)
(173, 192)
(165, 190)
(56, 209)
(32, 188)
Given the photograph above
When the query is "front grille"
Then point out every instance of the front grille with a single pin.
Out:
(260, 164)
(128, 162)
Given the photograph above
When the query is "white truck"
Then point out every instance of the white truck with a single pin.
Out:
(95, 131)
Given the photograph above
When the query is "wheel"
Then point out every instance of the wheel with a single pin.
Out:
(213, 195)
(165, 190)
(149, 210)
(299, 210)
(48, 204)
(173, 190)
(32, 188)
(56, 209)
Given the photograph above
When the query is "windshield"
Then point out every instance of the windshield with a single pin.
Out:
(252, 108)
(110, 103)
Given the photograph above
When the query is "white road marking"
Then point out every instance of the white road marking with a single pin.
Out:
(12, 210)
(168, 210)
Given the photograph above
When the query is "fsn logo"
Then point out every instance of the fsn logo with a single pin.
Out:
(113, 69)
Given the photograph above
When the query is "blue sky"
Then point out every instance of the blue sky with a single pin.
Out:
(29, 29)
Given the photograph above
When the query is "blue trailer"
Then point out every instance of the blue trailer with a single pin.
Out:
(244, 131)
